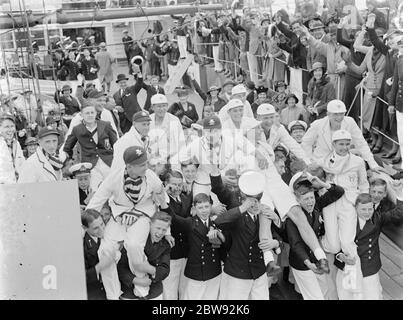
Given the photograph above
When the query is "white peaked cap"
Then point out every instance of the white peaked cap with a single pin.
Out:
(336, 106)
(341, 135)
(158, 98)
(265, 108)
(238, 89)
(252, 183)
(234, 103)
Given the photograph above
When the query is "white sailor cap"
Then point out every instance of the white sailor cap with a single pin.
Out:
(265, 108)
(238, 89)
(80, 169)
(341, 135)
(297, 124)
(336, 106)
(252, 183)
(298, 178)
(91, 37)
(158, 99)
(234, 103)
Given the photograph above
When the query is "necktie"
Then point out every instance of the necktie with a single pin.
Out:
(206, 224)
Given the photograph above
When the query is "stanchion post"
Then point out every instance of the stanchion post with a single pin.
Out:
(361, 105)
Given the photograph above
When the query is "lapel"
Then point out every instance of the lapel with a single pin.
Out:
(45, 163)
(250, 224)
(200, 227)
(91, 245)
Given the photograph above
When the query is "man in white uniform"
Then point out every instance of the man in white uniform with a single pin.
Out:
(276, 133)
(167, 122)
(153, 141)
(131, 192)
(317, 142)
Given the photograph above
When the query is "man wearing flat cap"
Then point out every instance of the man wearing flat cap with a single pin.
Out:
(71, 103)
(153, 141)
(82, 172)
(44, 165)
(134, 193)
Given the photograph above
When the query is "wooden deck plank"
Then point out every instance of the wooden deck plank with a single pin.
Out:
(390, 286)
(389, 266)
(399, 279)
(386, 295)
(392, 251)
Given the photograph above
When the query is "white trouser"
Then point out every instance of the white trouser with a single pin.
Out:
(329, 290)
(182, 45)
(109, 275)
(340, 220)
(135, 238)
(372, 288)
(96, 82)
(399, 120)
(252, 62)
(308, 284)
(98, 174)
(243, 289)
(174, 284)
(368, 109)
(202, 290)
(349, 282)
(217, 63)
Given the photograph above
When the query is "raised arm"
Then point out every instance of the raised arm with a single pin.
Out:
(333, 193)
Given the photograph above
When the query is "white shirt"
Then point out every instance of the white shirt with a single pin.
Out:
(361, 222)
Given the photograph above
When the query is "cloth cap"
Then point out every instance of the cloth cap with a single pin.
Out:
(158, 98)
(212, 122)
(252, 183)
(47, 131)
(238, 89)
(141, 116)
(336, 106)
(80, 169)
(297, 124)
(341, 135)
(234, 103)
(31, 141)
(265, 108)
(135, 155)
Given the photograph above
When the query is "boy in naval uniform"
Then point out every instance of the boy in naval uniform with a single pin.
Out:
(82, 172)
(180, 203)
(244, 269)
(310, 280)
(203, 265)
(131, 192)
(372, 217)
(347, 170)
